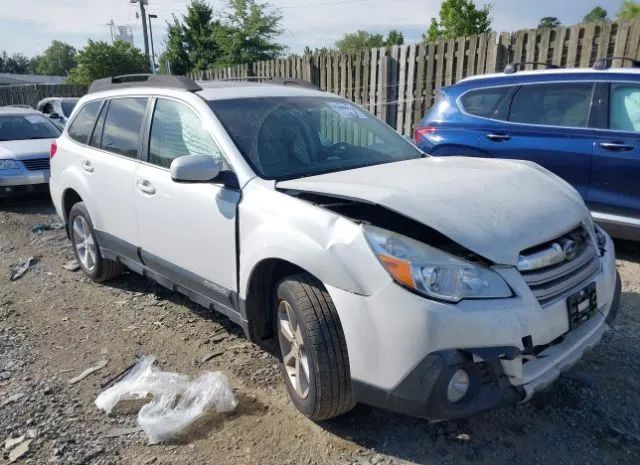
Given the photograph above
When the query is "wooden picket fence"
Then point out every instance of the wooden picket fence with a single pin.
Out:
(31, 94)
(398, 84)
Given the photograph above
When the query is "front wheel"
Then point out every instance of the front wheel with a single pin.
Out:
(315, 363)
(85, 246)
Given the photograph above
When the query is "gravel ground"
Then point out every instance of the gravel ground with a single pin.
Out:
(54, 324)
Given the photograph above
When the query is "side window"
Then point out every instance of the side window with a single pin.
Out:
(564, 104)
(122, 126)
(96, 138)
(483, 102)
(177, 131)
(82, 125)
(624, 107)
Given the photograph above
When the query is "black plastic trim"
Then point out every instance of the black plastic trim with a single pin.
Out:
(423, 392)
(144, 80)
(198, 289)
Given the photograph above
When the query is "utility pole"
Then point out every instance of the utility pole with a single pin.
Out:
(143, 14)
(153, 53)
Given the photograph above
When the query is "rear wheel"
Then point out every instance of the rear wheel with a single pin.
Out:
(315, 363)
(85, 246)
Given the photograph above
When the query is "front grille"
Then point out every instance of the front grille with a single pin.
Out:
(552, 282)
(36, 164)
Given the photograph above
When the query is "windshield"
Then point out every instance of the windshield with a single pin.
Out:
(291, 137)
(68, 106)
(29, 126)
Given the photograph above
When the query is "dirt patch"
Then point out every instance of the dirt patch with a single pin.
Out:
(54, 324)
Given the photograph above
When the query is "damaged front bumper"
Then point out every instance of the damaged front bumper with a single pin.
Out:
(510, 348)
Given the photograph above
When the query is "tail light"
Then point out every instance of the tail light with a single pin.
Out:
(422, 131)
(53, 149)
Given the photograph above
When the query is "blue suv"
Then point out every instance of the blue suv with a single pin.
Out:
(581, 124)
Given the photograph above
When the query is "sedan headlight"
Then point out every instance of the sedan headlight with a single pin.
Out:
(432, 272)
(8, 165)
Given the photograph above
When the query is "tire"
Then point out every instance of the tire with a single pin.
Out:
(96, 267)
(320, 348)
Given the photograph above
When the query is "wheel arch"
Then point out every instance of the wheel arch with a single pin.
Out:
(261, 287)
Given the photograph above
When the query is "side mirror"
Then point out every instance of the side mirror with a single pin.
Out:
(54, 115)
(195, 168)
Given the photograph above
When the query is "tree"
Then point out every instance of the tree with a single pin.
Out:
(57, 60)
(175, 59)
(359, 40)
(394, 37)
(549, 21)
(628, 10)
(459, 18)
(100, 59)
(15, 64)
(199, 35)
(248, 33)
(595, 15)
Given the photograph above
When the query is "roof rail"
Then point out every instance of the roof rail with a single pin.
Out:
(283, 81)
(605, 63)
(515, 67)
(144, 80)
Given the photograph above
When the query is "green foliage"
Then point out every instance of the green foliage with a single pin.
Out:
(175, 59)
(100, 59)
(16, 63)
(248, 33)
(394, 37)
(595, 15)
(244, 34)
(359, 40)
(459, 18)
(549, 21)
(628, 10)
(363, 40)
(57, 60)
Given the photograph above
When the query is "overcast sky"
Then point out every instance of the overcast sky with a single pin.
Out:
(28, 26)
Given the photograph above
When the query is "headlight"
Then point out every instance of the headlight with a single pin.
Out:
(8, 165)
(433, 272)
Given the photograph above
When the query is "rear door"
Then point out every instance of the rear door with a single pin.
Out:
(187, 230)
(547, 124)
(110, 166)
(615, 179)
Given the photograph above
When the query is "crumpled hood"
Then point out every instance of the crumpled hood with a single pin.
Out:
(25, 149)
(495, 208)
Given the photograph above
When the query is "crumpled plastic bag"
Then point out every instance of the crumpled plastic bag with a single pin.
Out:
(177, 400)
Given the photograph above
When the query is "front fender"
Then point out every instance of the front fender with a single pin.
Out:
(274, 225)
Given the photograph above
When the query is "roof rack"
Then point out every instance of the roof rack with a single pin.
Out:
(282, 81)
(605, 63)
(515, 67)
(144, 80)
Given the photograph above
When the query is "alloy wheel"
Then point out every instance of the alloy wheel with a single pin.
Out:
(292, 348)
(85, 245)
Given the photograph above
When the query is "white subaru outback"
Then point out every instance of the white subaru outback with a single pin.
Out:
(436, 287)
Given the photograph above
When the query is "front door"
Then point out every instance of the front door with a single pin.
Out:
(187, 230)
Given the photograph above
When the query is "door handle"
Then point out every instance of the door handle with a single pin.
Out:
(498, 137)
(87, 166)
(616, 146)
(145, 186)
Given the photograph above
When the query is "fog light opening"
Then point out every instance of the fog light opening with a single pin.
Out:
(458, 386)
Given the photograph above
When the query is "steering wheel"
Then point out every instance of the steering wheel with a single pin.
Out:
(335, 149)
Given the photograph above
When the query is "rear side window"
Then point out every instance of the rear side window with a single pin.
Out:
(483, 102)
(122, 126)
(565, 105)
(82, 125)
(624, 107)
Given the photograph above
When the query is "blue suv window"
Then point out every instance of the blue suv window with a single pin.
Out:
(556, 104)
(483, 102)
(624, 107)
